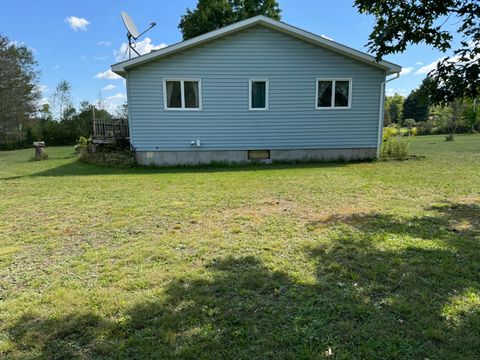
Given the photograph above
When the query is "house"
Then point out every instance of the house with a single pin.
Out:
(255, 90)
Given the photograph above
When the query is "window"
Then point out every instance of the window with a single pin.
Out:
(182, 94)
(258, 95)
(333, 94)
(258, 154)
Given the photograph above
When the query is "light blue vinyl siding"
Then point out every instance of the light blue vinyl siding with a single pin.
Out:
(225, 66)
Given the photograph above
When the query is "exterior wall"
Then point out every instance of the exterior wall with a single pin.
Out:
(172, 158)
(225, 123)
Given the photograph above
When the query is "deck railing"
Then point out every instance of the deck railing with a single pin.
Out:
(110, 130)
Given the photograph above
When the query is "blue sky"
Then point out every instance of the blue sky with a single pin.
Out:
(78, 41)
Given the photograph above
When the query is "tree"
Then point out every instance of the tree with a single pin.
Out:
(45, 112)
(19, 93)
(214, 14)
(394, 108)
(62, 99)
(471, 116)
(244, 9)
(417, 103)
(400, 23)
(122, 111)
(450, 118)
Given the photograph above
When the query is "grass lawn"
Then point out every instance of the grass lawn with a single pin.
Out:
(374, 260)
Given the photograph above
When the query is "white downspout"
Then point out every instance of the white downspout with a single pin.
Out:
(382, 110)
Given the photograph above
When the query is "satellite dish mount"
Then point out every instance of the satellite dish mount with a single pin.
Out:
(132, 34)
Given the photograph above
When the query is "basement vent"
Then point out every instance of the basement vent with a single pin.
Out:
(258, 154)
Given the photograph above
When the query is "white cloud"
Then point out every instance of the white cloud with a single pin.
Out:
(326, 37)
(107, 74)
(104, 43)
(77, 23)
(454, 59)
(43, 101)
(100, 58)
(112, 103)
(55, 67)
(143, 47)
(406, 70)
(400, 91)
(42, 88)
(419, 63)
(118, 96)
(429, 67)
(108, 87)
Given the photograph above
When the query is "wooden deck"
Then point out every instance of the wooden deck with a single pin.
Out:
(106, 131)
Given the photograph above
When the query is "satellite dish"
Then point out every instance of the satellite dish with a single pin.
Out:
(132, 33)
(130, 25)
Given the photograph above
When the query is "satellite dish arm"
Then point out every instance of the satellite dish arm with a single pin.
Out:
(131, 44)
(151, 26)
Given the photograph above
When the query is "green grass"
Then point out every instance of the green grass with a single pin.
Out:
(375, 260)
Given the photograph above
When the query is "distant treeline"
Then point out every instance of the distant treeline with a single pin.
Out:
(459, 116)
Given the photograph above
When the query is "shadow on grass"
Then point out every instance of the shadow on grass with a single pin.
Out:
(368, 300)
(77, 168)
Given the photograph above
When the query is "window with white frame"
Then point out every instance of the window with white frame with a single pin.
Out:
(333, 94)
(185, 94)
(258, 98)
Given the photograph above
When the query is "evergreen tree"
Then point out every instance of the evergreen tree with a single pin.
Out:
(19, 92)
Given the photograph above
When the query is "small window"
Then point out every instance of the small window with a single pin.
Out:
(258, 94)
(182, 94)
(333, 94)
(258, 154)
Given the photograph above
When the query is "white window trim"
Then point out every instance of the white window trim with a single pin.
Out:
(182, 94)
(267, 96)
(333, 107)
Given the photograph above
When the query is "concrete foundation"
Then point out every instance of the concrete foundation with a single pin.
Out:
(172, 158)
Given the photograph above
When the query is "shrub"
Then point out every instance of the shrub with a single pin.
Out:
(393, 148)
(424, 128)
(109, 154)
(409, 123)
(390, 131)
(83, 145)
(124, 158)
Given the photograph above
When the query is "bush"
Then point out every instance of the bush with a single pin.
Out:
(410, 123)
(424, 128)
(393, 148)
(123, 159)
(390, 131)
(117, 154)
(83, 145)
